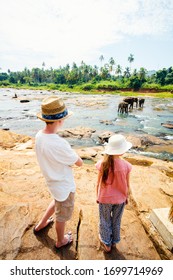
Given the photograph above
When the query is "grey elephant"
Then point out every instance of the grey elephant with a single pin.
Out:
(131, 100)
(123, 107)
(141, 102)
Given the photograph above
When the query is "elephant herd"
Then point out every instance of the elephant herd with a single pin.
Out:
(128, 103)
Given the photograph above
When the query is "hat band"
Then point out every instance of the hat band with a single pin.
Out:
(56, 116)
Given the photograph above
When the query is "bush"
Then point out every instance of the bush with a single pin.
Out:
(151, 86)
(108, 86)
(87, 86)
(53, 86)
(4, 83)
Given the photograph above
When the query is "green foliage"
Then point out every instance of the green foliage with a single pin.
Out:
(151, 86)
(87, 86)
(5, 83)
(86, 78)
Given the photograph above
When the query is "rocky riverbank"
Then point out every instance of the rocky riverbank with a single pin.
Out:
(24, 197)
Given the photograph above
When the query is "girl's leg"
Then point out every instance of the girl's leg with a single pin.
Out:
(45, 219)
(105, 224)
(117, 212)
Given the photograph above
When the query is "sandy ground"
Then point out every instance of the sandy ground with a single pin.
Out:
(24, 197)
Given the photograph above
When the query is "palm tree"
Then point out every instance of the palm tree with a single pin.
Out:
(118, 70)
(131, 59)
(112, 63)
(127, 72)
(101, 58)
(142, 73)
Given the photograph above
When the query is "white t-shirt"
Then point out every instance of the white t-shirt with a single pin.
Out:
(55, 155)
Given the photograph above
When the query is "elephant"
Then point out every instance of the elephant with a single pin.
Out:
(141, 102)
(131, 100)
(123, 107)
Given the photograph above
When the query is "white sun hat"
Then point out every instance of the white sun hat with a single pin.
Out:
(117, 145)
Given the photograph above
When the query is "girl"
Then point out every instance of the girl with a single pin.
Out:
(112, 189)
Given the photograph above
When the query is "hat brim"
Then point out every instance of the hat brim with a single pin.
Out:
(39, 116)
(110, 151)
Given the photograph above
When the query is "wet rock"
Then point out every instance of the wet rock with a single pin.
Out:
(148, 140)
(87, 153)
(167, 125)
(106, 122)
(24, 100)
(15, 96)
(103, 137)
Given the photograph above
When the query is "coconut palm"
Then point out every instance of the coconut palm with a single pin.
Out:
(118, 70)
(131, 59)
(101, 58)
(112, 63)
(127, 72)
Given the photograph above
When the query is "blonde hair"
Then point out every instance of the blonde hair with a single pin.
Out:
(107, 168)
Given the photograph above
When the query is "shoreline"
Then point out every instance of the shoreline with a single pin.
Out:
(122, 92)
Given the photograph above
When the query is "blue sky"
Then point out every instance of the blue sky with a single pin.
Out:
(59, 32)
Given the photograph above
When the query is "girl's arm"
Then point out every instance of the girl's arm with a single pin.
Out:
(128, 185)
(98, 182)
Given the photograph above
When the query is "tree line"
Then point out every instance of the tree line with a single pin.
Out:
(88, 76)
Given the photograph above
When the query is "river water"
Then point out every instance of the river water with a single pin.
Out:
(94, 111)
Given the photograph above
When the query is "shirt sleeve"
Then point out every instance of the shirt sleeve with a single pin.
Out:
(98, 165)
(129, 167)
(65, 154)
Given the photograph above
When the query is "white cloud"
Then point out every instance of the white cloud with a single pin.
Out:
(59, 32)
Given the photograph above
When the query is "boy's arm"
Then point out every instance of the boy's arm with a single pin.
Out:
(79, 162)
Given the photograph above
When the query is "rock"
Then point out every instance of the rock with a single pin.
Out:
(103, 137)
(9, 139)
(24, 146)
(106, 122)
(87, 153)
(78, 132)
(24, 100)
(141, 162)
(14, 220)
(167, 125)
(148, 140)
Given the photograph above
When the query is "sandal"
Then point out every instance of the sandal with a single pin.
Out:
(106, 248)
(69, 240)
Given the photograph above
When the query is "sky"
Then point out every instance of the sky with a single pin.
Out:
(60, 32)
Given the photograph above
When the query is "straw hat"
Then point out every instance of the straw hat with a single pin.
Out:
(53, 109)
(117, 145)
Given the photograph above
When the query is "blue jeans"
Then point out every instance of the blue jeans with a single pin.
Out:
(110, 220)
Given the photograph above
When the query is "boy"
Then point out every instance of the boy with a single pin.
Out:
(56, 157)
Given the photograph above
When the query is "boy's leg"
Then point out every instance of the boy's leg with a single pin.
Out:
(63, 212)
(116, 221)
(45, 219)
(62, 239)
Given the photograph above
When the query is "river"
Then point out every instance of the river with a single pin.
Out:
(94, 111)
